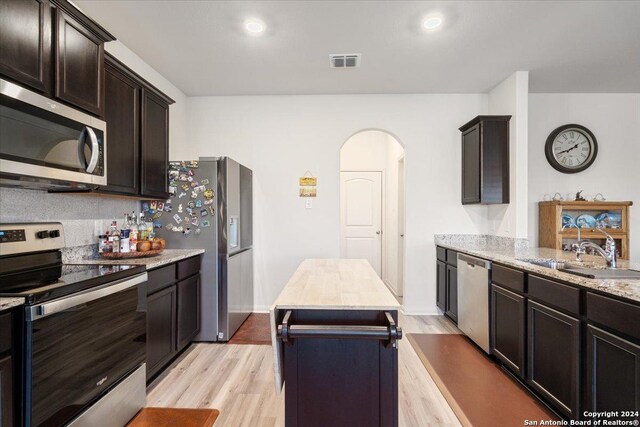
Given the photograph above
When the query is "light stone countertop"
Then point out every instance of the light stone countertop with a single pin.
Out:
(329, 284)
(10, 302)
(510, 256)
(167, 257)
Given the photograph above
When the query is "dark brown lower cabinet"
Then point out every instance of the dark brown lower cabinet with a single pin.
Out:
(613, 371)
(554, 357)
(188, 310)
(452, 293)
(161, 329)
(6, 370)
(508, 311)
(441, 285)
(6, 392)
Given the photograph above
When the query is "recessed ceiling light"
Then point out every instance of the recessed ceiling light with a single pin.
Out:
(254, 26)
(432, 22)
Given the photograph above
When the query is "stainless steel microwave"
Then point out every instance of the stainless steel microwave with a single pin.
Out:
(45, 144)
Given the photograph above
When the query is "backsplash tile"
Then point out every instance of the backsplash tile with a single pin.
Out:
(83, 216)
(481, 240)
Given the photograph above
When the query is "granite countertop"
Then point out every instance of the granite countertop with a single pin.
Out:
(510, 256)
(167, 257)
(10, 302)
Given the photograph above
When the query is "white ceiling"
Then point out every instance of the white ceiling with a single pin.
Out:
(202, 48)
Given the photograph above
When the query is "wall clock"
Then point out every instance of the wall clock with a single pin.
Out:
(571, 148)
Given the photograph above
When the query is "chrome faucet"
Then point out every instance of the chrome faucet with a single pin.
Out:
(576, 246)
(609, 253)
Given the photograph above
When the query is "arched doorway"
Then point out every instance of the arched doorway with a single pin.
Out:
(372, 203)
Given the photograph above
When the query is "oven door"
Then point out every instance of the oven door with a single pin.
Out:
(80, 346)
(46, 140)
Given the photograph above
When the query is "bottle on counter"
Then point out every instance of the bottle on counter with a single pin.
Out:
(124, 235)
(114, 237)
(133, 233)
(142, 228)
(103, 244)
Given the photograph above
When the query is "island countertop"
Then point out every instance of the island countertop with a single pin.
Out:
(336, 284)
(329, 284)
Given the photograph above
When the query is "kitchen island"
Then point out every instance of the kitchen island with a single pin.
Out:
(334, 332)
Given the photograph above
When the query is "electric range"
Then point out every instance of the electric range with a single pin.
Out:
(81, 335)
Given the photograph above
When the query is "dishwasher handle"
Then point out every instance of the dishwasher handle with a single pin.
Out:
(474, 262)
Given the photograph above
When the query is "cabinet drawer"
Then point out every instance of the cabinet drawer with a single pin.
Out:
(618, 315)
(441, 254)
(161, 278)
(452, 257)
(508, 278)
(559, 295)
(5, 332)
(188, 267)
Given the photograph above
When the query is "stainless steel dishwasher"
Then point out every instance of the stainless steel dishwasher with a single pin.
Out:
(473, 298)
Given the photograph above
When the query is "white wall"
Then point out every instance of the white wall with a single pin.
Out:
(280, 137)
(374, 150)
(614, 119)
(510, 97)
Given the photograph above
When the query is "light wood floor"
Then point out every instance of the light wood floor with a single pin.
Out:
(238, 380)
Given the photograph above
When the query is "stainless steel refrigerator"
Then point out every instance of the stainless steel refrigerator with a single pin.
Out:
(211, 207)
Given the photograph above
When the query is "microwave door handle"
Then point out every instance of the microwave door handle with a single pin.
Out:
(95, 149)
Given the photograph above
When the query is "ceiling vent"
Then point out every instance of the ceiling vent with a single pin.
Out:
(345, 60)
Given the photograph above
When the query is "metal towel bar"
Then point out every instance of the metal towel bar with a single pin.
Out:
(390, 333)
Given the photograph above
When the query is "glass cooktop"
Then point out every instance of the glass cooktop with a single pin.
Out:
(44, 284)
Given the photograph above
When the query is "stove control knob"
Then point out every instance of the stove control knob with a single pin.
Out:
(42, 234)
(54, 233)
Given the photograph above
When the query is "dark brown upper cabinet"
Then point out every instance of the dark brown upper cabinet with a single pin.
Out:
(485, 160)
(25, 42)
(122, 114)
(137, 116)
(51, 47)
(154, 147)
(79, 65)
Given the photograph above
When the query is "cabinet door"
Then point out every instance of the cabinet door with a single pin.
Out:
(161, 329)
(613, 372)
(508, 328)
(122, 114)
(6, 392)
(188, 310)
(79, 65)
(25, 42)
(155, 146)
(452, 293)
(471, 166)
(553, 357)
(441, 286)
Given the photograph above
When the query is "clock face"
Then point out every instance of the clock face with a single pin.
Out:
(571, 148)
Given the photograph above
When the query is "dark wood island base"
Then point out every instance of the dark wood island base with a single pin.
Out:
(340, 364)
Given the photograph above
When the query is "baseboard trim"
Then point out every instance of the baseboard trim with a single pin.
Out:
(420, 312)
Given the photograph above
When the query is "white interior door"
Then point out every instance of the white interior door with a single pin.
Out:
(400, 287)
(361, 217)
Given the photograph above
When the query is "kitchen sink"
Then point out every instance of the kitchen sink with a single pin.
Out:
(585, 269)
(606, 273)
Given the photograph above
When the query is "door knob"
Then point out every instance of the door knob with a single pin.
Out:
(402, 235)
(378, 232)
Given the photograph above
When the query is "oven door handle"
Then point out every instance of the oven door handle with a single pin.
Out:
(47, 309)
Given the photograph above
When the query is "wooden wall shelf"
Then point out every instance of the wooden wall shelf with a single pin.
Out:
(551, 234)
